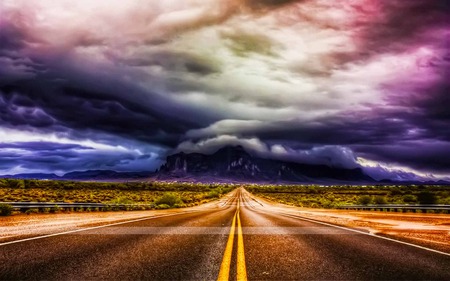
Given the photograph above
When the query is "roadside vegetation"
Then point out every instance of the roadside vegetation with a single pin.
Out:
(139, 195)
(164, 195)
(316, 196)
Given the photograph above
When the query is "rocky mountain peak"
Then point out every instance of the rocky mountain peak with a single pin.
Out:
(234, 163)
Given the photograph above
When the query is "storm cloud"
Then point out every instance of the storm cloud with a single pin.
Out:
(360, 83)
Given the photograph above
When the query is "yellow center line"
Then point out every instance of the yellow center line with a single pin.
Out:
(241, 269)
(224, 272)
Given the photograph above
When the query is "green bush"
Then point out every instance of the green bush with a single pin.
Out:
(380, 200)
(409, 198)
(32, 211)
(169, 199)
(162, 206)
(365, 200)
(396, 191)
(6, 210)
(121, 200)
(213, 194)
(426, 197)
(15, 183)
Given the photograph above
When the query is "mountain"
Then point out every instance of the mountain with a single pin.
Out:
(32, 176)
(236, 164)
(105, 175)
(89, 175)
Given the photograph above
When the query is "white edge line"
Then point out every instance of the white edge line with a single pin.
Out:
(365, 233)
(94, 227)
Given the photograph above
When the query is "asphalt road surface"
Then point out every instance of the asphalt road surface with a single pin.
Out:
(237, 238)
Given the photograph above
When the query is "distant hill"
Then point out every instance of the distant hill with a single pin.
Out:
(32, 176)
(94, 175)
(106, 174)
(237, 165)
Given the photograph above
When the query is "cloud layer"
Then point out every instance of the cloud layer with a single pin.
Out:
(312, 81)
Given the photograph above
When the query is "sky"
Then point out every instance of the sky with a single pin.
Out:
(114, 84)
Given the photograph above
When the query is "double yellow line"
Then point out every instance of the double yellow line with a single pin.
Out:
(224, 273)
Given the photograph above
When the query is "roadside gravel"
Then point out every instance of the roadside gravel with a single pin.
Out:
(428, 230)
(20, 226)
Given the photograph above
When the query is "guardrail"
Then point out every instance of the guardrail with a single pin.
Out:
(24, 206)
(400, 208)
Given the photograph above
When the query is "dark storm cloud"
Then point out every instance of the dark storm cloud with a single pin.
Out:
(50, 157)
(421, 155)
(434, 103)
(19, 111)
(346, 129)
(42, 146)
(52, 108)
(48, 92)
(12, 37)
(403, 21)
(388, 136)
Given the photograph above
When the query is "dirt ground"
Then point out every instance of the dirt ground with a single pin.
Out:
(24, 226)
(429, 230)
(21, 226)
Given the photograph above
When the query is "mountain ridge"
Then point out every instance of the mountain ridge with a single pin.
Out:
(229, 164)
(236, 164)
(100, 175)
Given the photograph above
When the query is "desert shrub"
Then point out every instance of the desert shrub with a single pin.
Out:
(169, 199)
(162, 206)
(426, 197)
(445, 200)
(409, 198)
(32, 211)
(365, 200)
(15, 183)
(327, 204)
(122, 200)
(55, 209)
(380, 200)
(6, 210)
(213, 194)
(115, 208)
(45, 210)
(313, 190)
(187, 199)
(396, 191)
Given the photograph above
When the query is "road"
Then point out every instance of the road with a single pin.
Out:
(238, 237)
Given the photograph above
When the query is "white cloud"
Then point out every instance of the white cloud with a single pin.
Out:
(335, 156)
